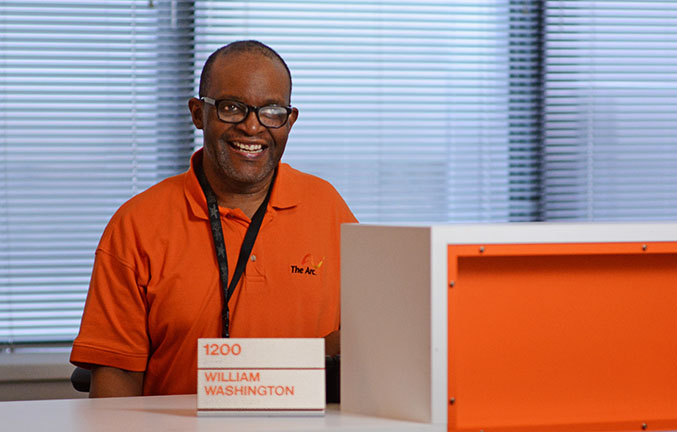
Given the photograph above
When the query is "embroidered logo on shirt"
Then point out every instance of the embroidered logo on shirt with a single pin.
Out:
(308, 266)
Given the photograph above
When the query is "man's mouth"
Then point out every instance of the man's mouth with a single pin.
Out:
(247, 148)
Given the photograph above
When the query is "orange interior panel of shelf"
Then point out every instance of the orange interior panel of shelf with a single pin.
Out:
(571, 337)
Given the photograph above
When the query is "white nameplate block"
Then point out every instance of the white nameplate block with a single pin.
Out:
(260, 376)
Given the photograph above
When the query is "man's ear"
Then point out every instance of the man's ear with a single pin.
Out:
(195, 106)
(292, 118)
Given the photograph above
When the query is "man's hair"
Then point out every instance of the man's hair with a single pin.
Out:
(244, 46)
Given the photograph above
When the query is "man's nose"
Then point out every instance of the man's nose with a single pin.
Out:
(251, 125)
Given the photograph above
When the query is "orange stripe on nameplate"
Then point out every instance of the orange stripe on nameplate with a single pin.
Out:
(256, 409)
(550, 337)
(270, 368)
(268, 376)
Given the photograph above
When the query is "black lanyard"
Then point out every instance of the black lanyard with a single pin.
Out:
(220, 244)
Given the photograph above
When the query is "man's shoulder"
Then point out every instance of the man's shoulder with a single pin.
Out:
(302, 181)
(154, 201)
(313, 194)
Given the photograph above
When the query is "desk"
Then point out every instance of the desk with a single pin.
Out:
(175, 413)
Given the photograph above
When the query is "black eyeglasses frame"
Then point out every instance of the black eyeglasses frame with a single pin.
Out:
(250, 108)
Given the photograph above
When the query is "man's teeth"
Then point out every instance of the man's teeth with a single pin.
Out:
(252, 148)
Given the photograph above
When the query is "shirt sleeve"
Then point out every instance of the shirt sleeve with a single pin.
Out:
(113, 331)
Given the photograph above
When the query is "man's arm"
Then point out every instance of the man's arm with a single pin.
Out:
(332, 343)
(114, 382)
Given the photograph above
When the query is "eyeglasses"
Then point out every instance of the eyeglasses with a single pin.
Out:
(233, 111)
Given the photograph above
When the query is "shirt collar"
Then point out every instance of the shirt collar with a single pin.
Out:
(285, 192)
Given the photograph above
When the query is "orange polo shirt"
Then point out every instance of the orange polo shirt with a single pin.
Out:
(155, 285)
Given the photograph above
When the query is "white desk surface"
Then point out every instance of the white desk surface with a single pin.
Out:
(175, 413)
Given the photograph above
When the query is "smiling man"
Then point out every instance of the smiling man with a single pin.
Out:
(241, 245)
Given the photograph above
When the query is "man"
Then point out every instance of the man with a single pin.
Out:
(161, 274)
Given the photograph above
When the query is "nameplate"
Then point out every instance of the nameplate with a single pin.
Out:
(260, 377)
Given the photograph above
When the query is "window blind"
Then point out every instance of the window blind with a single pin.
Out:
(610, 112)
(417, 111)
(92, 111)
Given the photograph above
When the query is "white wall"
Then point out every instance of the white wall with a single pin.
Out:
(29, 376)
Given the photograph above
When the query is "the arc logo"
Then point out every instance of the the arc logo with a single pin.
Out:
(308, 266)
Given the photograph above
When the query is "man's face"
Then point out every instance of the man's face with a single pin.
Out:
(243, 156)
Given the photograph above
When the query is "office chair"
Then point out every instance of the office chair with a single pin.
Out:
(81, 378)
